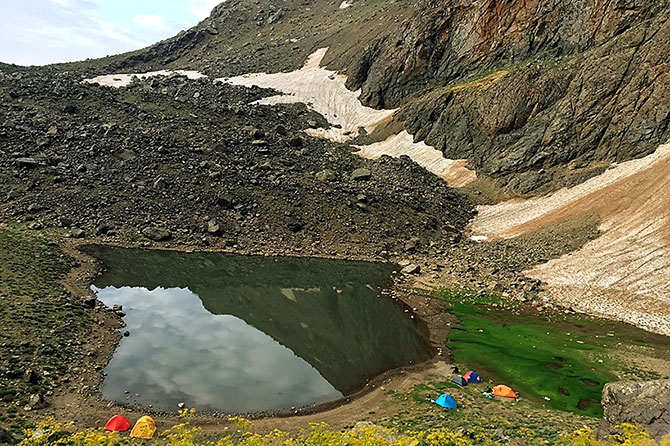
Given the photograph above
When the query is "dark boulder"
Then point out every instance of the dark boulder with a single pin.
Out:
(646, 404)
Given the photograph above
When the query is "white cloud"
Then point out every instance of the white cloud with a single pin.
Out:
(202, 8)
(49, 31)
(154, 21)
(117, 33)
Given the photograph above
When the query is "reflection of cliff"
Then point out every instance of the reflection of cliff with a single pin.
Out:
(320, 309)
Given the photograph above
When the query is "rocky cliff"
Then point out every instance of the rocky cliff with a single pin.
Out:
(552, 106)
(537, 94)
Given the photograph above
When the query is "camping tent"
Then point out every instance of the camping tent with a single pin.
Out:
(144, 428)
(502, 390)
(460, 381)
(472, 377)
(118, 423)
(447, 401)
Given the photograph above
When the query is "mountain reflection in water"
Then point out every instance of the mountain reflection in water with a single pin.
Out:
(248, 334)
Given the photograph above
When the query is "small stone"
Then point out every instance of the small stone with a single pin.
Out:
(361, 174)
(294, 223)
(325, 175)
(156, 234)
(411, 269)
(27, 162)
(225, 201)
(213, 227)
(77, 233)
(296, 141)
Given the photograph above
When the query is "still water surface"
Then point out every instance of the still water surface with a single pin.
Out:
(249, 334)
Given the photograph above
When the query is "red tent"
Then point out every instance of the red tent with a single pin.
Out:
(118, 423)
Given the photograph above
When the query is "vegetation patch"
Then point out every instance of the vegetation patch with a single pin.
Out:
(242, 433)
(42, 326)
(559, 360)
(482, 83)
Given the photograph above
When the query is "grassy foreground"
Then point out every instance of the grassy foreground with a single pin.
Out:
(319, 434)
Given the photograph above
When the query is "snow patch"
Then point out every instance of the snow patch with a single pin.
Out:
(453, 172)
(124, 79)
(324, 91)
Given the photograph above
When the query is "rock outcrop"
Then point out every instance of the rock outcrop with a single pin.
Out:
(646, 404)
(556, 122)
(537, 94)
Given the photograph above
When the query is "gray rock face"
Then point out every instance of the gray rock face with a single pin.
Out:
(522, 89)
(642, 403)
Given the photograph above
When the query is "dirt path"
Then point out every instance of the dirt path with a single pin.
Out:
(625, 273)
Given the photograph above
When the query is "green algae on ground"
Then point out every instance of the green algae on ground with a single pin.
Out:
(560, 360)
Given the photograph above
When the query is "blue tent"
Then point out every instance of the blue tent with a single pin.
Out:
(472, 377)
(447, 401)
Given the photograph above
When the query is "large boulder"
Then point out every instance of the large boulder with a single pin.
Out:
(646, 404)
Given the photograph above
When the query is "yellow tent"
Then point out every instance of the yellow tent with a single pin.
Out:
(144, 428)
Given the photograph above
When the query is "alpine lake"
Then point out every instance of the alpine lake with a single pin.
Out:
(242, 334)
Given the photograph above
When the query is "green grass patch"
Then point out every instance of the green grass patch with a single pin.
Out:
(560, 361)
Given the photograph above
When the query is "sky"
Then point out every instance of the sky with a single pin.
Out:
(40, 32)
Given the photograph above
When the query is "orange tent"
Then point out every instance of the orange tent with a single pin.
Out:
(118, 423)
(144, 428)
(502, 390)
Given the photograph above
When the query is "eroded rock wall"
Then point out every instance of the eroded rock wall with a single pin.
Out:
(538, 94)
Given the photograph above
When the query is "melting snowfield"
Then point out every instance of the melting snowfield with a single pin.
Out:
(324, 91)
(453, 172)
(625, 273)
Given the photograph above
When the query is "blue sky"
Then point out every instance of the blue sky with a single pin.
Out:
(38, 32)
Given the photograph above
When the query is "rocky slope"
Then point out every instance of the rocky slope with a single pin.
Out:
(535, 94)
(191, 161)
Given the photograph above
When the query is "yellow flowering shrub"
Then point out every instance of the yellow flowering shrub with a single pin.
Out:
(49, 433)
(442, 437)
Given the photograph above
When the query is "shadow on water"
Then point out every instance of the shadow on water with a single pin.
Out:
(248, 334)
